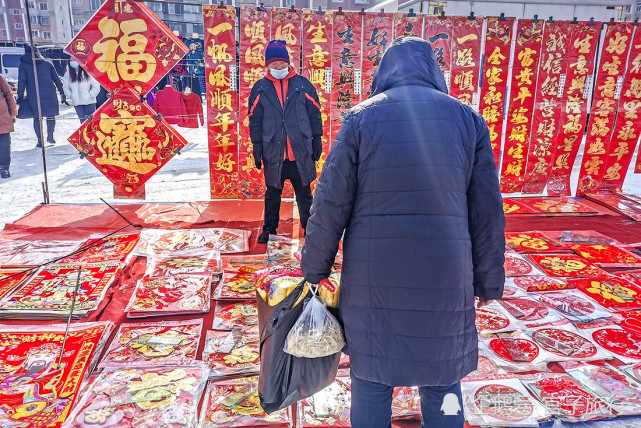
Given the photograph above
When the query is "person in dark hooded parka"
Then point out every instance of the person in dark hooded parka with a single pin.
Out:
(48, 83)
(411, 183)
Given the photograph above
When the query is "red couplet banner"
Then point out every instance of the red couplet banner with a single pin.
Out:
(346, 66)
(628, 125)
(222, 100)
(466, 62)
(523, 85)
(498, 46)
(616, 46)
(286, 25)
(438, 33)
(547, 107)
(580, 55)
(317, 63)
(255, 28)
(377, 34)
(406, 25)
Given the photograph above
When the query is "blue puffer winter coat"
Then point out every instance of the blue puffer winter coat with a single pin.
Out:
(411, 180)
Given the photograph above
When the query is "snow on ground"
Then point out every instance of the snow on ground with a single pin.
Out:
(74, 180)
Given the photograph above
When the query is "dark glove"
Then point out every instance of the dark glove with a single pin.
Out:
(64, 100)
(258, 154)
(317, 147)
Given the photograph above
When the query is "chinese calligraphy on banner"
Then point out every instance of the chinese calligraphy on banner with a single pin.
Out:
(255, 28)
(526, 60)
(222, 100)
(466, 61)
(346, 66)
(126, 142)
(317, 66)
(498, 39)
(438, 33)
(406, 25)
(547, 107)
(286, 25)
(581, 55)
(125, 45)
(377, 34)
(616, 45)
(628, 126)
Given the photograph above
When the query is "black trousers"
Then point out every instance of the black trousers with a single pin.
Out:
(51, 125)
(272, 198)
(5, 150)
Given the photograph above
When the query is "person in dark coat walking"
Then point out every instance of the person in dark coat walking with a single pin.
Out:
(8, 113)
(48, 82)
(412, 184)
(285, 127)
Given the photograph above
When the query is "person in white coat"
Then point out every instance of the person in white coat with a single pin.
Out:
(81, 89)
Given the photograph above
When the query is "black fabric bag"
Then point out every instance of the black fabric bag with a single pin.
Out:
(24, 109)
(285, 379)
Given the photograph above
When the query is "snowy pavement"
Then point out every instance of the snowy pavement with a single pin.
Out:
(73, 180)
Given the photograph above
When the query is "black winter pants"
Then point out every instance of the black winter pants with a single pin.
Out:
(272, 198)
(84, 111)
(5, 150)
(51, 125)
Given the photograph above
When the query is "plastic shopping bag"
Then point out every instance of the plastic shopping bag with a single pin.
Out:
(285, 379)
(316, 333)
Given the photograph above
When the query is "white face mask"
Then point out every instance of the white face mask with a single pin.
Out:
(279, 74)
(73, 64)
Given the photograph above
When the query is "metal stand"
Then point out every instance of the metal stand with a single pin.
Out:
(73, 304)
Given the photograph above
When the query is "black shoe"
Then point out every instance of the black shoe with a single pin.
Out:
(4, 173)
(263, 237)
(39, 144)
(52, 141)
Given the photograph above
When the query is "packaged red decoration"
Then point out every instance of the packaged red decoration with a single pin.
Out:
(619, 391)
(161, 343)
(566, 398)
(515, 352)
(624, 344)
(574, 305)
(532, 242)
(171, 295)
(583, 237)
(232, 353)
(517, 265)
(40, 252)
(35, 391)
(167, 265)
(149, 397)
(566, 265)
(565, 343)
(611, 292)
(102, 249)
(500, 401)
(234, 403)
(229, 315)
(493, 318)
(536, 283)
(530, 311)
(607, 255)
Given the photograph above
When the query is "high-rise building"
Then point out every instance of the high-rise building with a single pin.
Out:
(50, 21)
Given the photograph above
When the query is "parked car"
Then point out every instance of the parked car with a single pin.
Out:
(10, 61)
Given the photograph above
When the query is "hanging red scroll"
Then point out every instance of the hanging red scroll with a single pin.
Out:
(346, 66)
(438, 33)
(498, 40)
(126, 142)
(222, 100)
(377, 34)
(286, 25)
(628, 125)
(406, 25)
(317, 48)
(255, 28)
(126, 45)
(616, 45)
(466, 61)
(574, 100)
(526, 60)
(547, 107)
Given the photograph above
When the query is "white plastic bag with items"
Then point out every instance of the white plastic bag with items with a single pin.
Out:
(316, 333)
